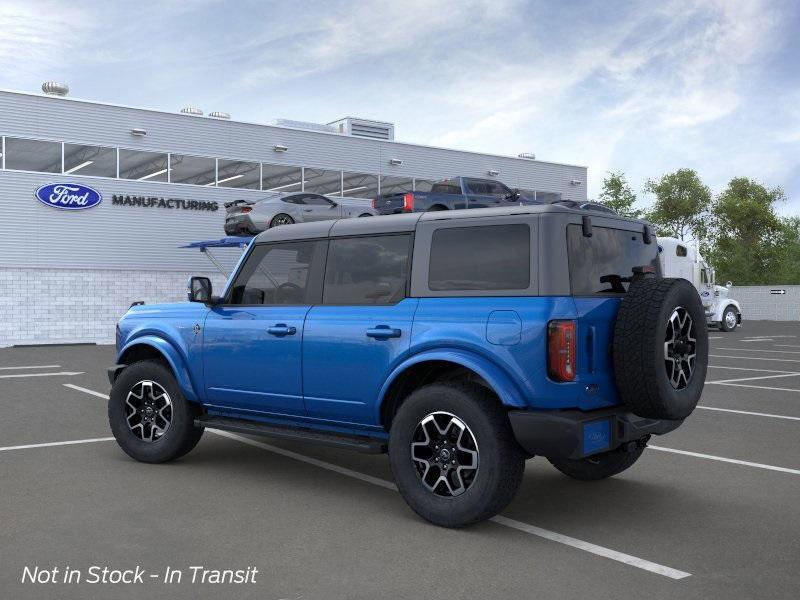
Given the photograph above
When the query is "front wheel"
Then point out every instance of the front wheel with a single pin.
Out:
(453, 454)
(729, 319)
(599, 466)
(149, 417)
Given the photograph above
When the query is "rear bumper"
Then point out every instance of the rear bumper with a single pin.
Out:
(238, 224)
(576, 434)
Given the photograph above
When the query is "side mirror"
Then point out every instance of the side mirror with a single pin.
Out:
(199, 289)
(333, 204)
(729, 284)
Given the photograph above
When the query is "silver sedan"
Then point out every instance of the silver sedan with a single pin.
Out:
(246, 217)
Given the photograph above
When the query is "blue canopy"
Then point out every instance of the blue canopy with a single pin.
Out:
(226, 242)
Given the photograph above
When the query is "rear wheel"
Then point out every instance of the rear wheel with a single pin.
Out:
(729, 319)
(453, 454)
(600, 466)
(149, 417)
(281, 219)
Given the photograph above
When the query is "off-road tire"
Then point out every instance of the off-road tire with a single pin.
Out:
(640, 365)
(723, 325)
(177, 440)
(599, 466)
(501, 461)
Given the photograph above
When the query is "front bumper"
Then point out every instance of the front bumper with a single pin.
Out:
(576, 434)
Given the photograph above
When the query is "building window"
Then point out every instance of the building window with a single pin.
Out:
(238, 174)
(98, 161)
(367, 270)
(143, 166)
(680, 250)
(359, 185)
(196, 170)
(280, 178)
(325, 182)
(547, 197)
(33, 155)
(396, 185)
(490, 268)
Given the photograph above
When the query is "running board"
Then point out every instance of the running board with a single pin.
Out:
(337, 440)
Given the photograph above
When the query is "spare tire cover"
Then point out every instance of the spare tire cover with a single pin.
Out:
(660, 348)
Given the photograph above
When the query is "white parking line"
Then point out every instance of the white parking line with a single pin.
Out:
(755, 340)
(759, 387)
(749, 369)
(16, 375)
(760, 350)
(787, 346)
(749, 358)
(49, 444)
(727, 460)
(747, 412)
(31, 367)
(754, 378)
(501, 520)
(85, 390)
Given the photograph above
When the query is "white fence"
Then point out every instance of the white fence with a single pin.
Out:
(768, 302)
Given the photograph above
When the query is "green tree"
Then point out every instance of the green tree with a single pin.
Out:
(618, 195)
(681, 205)
(751, 244)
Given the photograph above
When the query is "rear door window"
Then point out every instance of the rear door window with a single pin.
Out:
(489, 257)
(446, 187)
(603, 263)
(367, 270)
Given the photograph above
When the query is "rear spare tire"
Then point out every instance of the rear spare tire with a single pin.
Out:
(660, 348)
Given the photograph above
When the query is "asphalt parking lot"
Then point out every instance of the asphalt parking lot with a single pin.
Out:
(710, 511)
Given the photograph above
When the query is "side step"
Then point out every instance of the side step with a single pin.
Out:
(337, 440)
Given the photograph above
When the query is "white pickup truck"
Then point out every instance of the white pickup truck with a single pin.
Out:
(679, 259)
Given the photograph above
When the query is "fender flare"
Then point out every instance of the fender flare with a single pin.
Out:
(173, 357)
(723, 305)
(500, 382)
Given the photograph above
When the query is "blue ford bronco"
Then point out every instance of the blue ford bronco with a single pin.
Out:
(460, 342)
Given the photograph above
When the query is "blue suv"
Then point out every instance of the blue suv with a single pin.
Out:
(461, 342)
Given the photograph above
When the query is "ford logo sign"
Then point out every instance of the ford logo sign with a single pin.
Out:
(68, 196)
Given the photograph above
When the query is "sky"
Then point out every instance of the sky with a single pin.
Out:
(639, 87)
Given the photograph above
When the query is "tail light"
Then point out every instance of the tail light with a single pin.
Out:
(561, 350)
(246, 209)
(408, 202)
(374, 202)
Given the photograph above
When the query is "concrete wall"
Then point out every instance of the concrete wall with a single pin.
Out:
(759, 304)
(40, 306)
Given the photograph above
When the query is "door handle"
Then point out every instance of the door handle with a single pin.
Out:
(282, 329)
(383, 332)
(308, 210)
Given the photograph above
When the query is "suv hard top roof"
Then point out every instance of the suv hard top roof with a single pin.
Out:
(408, 222)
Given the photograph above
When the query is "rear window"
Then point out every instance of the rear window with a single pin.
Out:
(491, 257)
(604, 262)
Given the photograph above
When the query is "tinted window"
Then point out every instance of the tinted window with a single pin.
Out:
(321, 181)
(367, 270)
(478, 187)
(396, 185)
(33, 155)
(604, 262)
(492, 257)
(497, 189)
(315, 200)
(425, 185)
(359, 185)
(275, 274)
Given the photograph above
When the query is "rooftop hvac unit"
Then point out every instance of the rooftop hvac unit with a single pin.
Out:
(192, 110)
(376, 130)
(215, 114)
(303, 125)
(527, 155)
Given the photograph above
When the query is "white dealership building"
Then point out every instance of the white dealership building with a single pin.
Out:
(161, 180)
